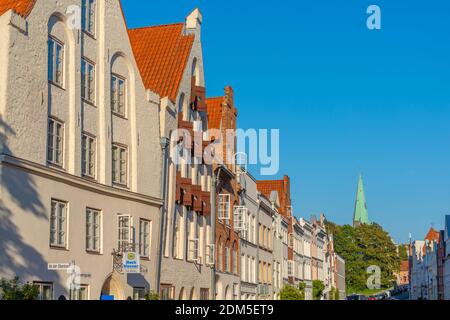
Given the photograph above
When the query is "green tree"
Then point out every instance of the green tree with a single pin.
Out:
(302, 289)
(318, 288)
(290, 293)
(151, 296)
(403, 252)
(362, 247)
(15, 290)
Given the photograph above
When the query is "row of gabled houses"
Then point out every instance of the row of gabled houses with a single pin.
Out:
(107, 187)
(429, 265)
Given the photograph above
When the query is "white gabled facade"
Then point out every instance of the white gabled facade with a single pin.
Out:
(80, 162)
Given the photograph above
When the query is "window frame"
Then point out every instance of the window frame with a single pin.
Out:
(86, 17)
(129, 242)
(86, 85)
(142, 252)
(120, 148)
(40, 286)
(78, 293)
(117, 79)
(100, 223)
(52, 144)
(55, 244)
(53, 79)
(88, 152)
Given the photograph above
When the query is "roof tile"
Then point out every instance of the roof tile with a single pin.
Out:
(162, 53)
(22, 7)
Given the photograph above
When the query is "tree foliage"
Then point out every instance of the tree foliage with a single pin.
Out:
(302, 290)
(15, 290)
(318, 288)
(291, 293)
(362, 247)
(403, 252)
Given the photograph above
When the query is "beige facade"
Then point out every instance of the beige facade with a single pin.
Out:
(80, 160)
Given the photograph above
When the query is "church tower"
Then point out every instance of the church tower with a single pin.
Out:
(361, 215)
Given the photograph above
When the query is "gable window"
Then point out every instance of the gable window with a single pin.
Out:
(58, 224)
(119, 165)
(93, 231)
(88, 16)
(118, 95)
(55, 61)
(144, 238)
(124, 233)
(88, 158)
(87, 81)
(55, 141)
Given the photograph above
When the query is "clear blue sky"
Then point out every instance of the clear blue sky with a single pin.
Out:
(346, 99)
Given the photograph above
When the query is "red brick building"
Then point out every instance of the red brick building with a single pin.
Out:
(222, 115)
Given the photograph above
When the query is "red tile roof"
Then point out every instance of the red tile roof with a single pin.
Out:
(162, 53)
(22, 7)
(214, 108)
(281, 186)
(433, 235)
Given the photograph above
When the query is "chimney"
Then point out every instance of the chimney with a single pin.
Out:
(194, 21)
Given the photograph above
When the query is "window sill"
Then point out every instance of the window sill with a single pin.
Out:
(88, 178)
(89, 102)
(145, 259)
(123, 187)
(118, 115)
(90, 34)
(52, 247)
(57, 85)
(94, 253)
(56, 166)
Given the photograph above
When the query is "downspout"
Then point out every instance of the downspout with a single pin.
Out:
(164, 142)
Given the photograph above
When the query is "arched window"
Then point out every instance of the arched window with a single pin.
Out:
(227, 257)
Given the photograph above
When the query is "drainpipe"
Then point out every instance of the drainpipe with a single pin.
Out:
(214, 180)
(164, 142)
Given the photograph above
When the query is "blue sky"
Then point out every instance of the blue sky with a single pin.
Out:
(346, 99)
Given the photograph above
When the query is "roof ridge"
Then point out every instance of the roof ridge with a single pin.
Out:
(157, 26)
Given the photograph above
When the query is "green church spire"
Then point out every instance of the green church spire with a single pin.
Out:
(361, 215)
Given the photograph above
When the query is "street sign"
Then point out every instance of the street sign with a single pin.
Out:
(59, 266)
(131, 263)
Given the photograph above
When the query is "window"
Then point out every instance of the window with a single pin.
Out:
(177, 233)
(240, 218)
(45, 290)
(220, 256)
(224, 207)
(93, 225)
(81, 294)
(144, 238)
(88, 156)
(87, 81)
(235, 260)
(118, 95)
(167, 292)
(55, 61)
(124, 233)
(243, 268)
(55, 142)
(120, 164)
(227, 259)
(58, 224)
(138, 293)
(88, 18)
